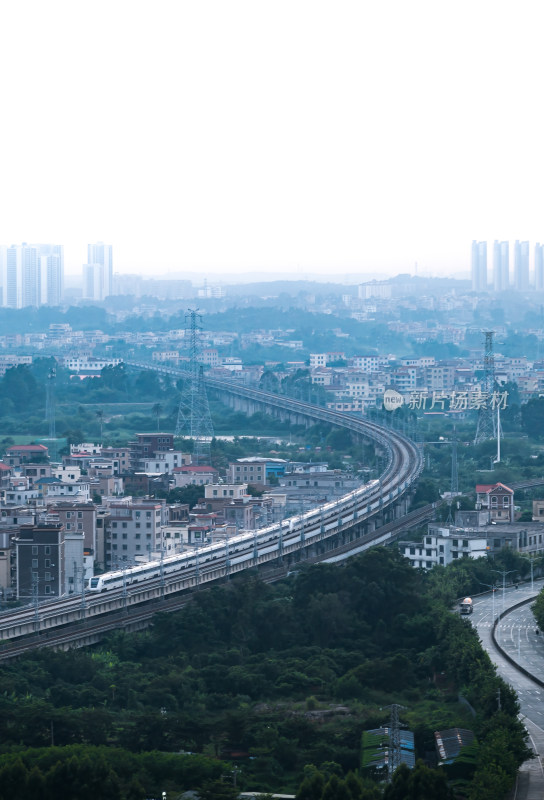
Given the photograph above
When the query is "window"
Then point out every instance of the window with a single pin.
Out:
(124, 525)
(137, 524)
(125, 547)
(80, 514)
(428, 552)
(47, 563)
(138, 536)
(48, 590)
(34, 563)
(441, 549)
(428, 540)
(47, 576)
(34, 550)
(114, 524)
(465, 542)
(454, 555)
(147, 524)
(47, 551)
(125, 535)
(412, 551)
(455, 542)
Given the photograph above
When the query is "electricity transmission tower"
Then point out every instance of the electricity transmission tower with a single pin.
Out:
(194, 420)
(486, 419)
(395, 749)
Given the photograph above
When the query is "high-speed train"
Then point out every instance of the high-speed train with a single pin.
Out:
(244, 546)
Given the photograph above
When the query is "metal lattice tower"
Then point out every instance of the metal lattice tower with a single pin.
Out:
(486, 420)
(395, 750)
(194, 420)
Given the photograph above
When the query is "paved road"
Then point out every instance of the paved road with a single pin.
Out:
(516, 635)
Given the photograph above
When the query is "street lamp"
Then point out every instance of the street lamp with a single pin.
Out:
(504, 573)
(492, 587)
(530, 558)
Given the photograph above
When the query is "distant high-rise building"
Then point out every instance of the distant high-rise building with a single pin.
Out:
(100, 254)
(93, 282)
(32, 275)
(51, 273)
(501, 266)
(479, 266)
(539, 267)
(521, 266)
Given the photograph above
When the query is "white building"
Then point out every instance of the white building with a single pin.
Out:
(444, 545)
(98, 272)
(163, 463)
(31, 275)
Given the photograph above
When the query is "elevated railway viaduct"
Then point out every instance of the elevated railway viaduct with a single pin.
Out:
(364, 516)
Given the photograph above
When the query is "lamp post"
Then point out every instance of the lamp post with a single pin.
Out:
(504, 573)
(530, 558)
(492, 587)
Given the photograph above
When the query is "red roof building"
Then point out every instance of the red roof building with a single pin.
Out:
(497, 499)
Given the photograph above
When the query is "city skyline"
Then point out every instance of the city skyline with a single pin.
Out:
(288, 140)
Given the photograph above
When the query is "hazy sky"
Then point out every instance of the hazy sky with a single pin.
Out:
(282, 136)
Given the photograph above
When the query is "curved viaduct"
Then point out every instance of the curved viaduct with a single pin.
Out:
(352, 517)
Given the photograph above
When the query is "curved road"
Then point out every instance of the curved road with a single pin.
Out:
(515, 634)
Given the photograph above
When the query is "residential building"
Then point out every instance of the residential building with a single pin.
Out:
(31, 275)
(41, 565)
(521, 266)
(442, 546)
(98, 272)
(497, 499)
(194, 475)
(76, 517)
(23, 453)
(501, 266)
(539, 267)
(147, 445)
(166, 462)
(135, 530)
(479, 266)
